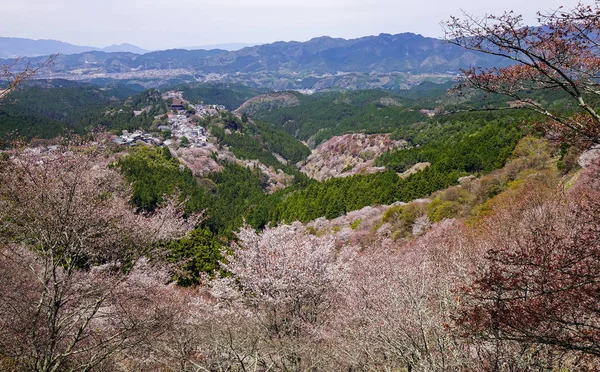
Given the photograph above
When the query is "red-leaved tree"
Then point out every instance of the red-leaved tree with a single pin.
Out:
(540, 285)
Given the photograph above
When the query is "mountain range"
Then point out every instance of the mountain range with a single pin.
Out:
(14, 47)
(370, 61)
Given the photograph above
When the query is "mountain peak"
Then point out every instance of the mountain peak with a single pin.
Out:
(125, 47)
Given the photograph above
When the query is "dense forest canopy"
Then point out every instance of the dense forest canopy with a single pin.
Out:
(230, 96)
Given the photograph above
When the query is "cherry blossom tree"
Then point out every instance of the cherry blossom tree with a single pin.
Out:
(69, 241)
(282, 293)
(561, 55)
(401, 300)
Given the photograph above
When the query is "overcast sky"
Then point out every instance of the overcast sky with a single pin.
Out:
(161, 24)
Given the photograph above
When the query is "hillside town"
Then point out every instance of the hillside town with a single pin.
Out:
(181, 127)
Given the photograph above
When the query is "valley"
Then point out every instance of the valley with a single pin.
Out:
(284, 181)
(382, 203)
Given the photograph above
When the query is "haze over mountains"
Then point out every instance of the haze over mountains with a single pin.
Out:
(13, 47)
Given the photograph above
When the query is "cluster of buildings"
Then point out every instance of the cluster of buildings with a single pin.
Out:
(132, 139)
(179, 105)
(181, 127)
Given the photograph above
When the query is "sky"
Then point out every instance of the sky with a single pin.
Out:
(161, 24)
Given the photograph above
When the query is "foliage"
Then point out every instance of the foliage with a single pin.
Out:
(355, 224)
(26, 127)
(225, 198)
(456, 145)
(200, 252)
(286, 279)
(406, 220)
(296, 301)
(239, 191)
(57, 108)
(257, 140)
(398, 302)
(120, 115)
(230, 195)
(568, 158)
(452, 202)
(153, 173)
(474, 143)
(468, 152)
(67, 104)
(35, 111)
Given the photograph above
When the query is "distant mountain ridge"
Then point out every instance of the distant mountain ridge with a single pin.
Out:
(231, 47)
(406, 52)
(13, 47)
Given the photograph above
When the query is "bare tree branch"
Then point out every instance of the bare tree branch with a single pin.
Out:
(17, 76)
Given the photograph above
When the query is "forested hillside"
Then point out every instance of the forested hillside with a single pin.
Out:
(51, 109)
(355, 264)
(60, 108)
(46, 109)
(321, 116)
(455, 145)
(256, 140)
(474, 149)
(230, 96)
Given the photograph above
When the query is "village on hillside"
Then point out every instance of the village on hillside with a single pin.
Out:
(182, 129)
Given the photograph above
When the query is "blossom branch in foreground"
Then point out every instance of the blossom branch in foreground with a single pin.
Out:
(562, 55)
